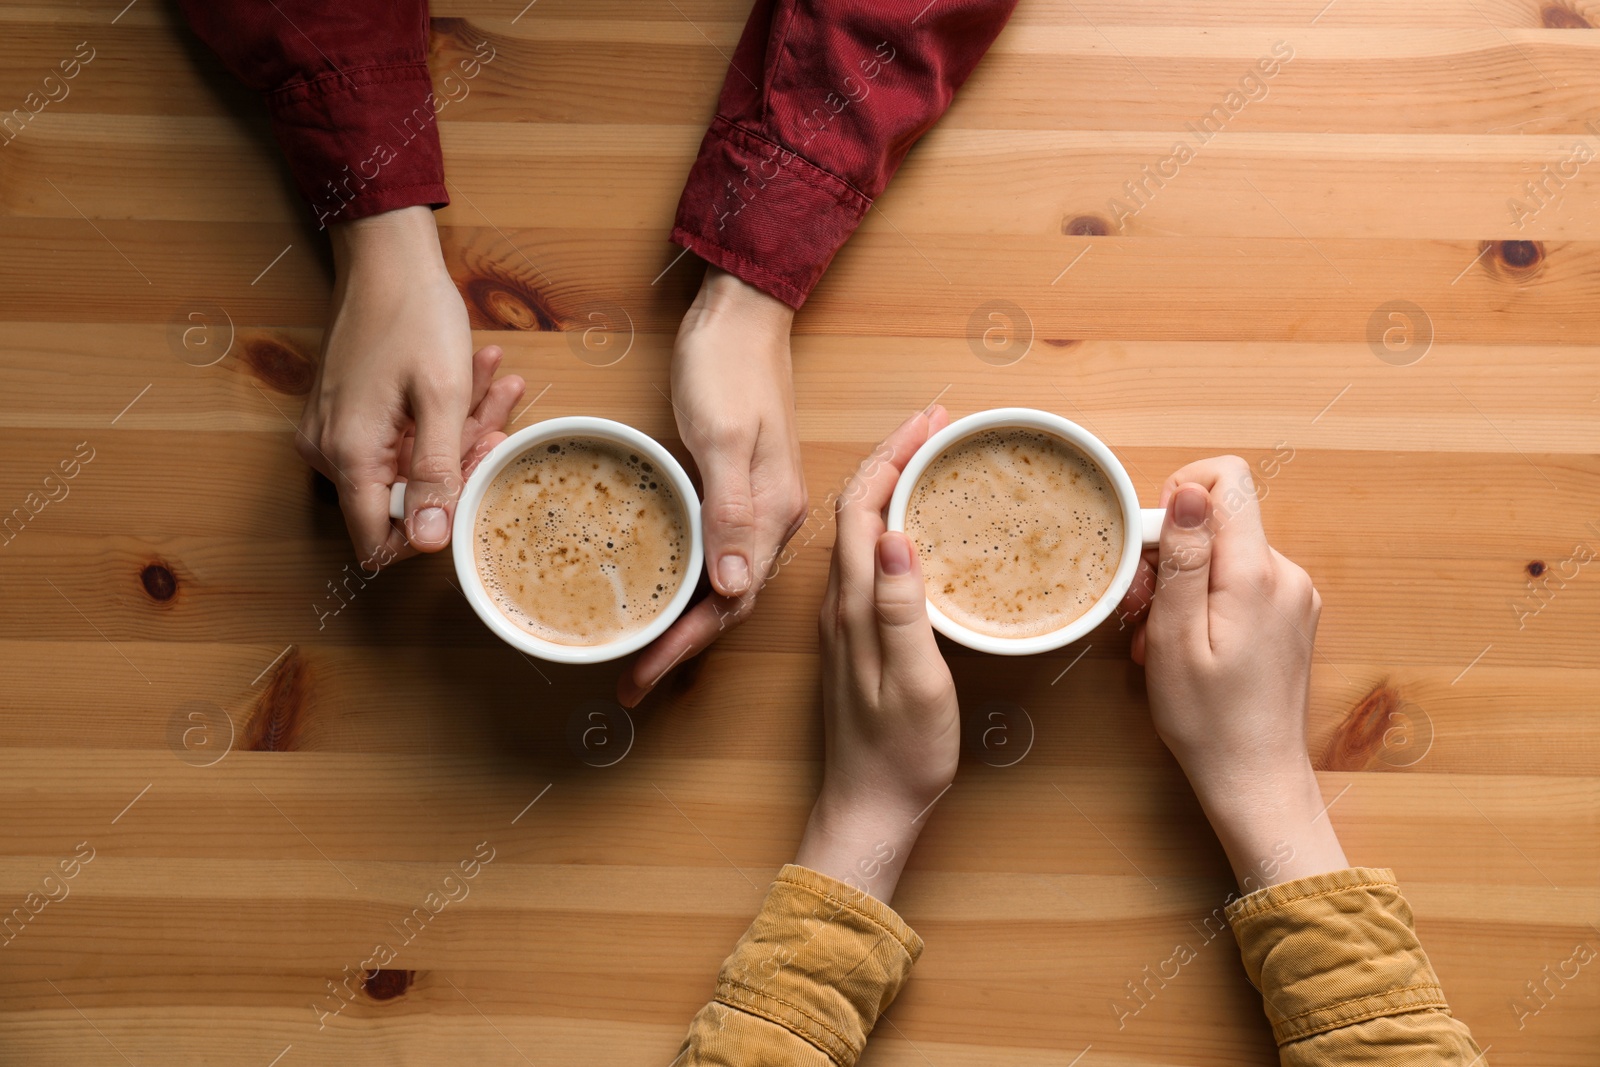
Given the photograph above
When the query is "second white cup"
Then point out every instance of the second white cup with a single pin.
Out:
(1141, 526)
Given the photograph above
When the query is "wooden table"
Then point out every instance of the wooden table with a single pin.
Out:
(268, 787)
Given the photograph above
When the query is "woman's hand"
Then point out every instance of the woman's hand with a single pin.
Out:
(400, 395)
(1227, 650)
(889, 706)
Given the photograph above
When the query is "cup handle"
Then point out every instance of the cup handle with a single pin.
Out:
(1150, 520)
(397, 502)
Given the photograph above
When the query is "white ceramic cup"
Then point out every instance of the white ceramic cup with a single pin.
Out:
(1141, 527)
(462, 542)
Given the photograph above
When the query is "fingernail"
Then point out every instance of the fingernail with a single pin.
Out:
(734, 574)
(1189, 507)
(430, 526)
(894, 555)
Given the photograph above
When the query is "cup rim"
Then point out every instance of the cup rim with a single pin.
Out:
(1079, 438)
(501, 456)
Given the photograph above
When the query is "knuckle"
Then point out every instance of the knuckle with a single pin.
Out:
(431, 466)
(341, 444)
(1299, 586)
(730, 513)
(436, 389)
(1235, 471)
(1266, 577)
(1232, 464)
(794, 507)
(1183, 557)
(827, 622)
(728, 434)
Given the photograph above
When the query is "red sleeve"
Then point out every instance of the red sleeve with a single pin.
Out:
(348, 88)
(822, 101)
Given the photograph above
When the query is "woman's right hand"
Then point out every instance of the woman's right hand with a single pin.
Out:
(1227, 649)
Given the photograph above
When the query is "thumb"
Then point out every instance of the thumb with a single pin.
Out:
(434, 481)
(904, 633)
(1183, 576)
(730, 522)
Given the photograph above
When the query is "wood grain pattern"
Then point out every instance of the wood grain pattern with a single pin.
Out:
(273, 767)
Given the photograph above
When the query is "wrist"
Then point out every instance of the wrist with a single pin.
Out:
(399, 243)
(863, 843)
(1275, 827)
(725, 296)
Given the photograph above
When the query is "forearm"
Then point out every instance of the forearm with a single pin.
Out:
(349, 93)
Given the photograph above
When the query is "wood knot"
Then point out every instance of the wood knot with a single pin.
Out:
(1358, 740)
(458, 47)
(457, 28)
(279, 365)
(1054, 342)
(275, 723)
(386, 984)
(1536, 568)
(1086, 226)
(1514, 261)
(499, 300)
(159, 582)
(1559, 17)
(1521, 255)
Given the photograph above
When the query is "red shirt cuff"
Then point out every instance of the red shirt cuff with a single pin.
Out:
(762, 212)
(363, 141)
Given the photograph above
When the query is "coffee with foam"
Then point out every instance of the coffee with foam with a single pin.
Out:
(1019, 532)
(580, 541)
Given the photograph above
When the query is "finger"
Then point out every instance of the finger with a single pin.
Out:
(873, 482)
(1179, 611)
(828, 620)
(363, 467)
(1137, 599)
(1136, 650)
(692, 634)
(859, 511)
(778, 484)
(904, 634)
(485, 361)
(493, 409)
(305, 444)
(1241, 553)
(728, 518)
(434, 475)
(365, 503)
(472, 455)
(475, 454)
(482, 433)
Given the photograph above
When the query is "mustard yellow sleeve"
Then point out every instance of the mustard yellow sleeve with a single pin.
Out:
(1343, 977)
(806, 983)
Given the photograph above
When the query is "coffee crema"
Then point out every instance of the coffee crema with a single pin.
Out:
(580, 541)
(1019, 532)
